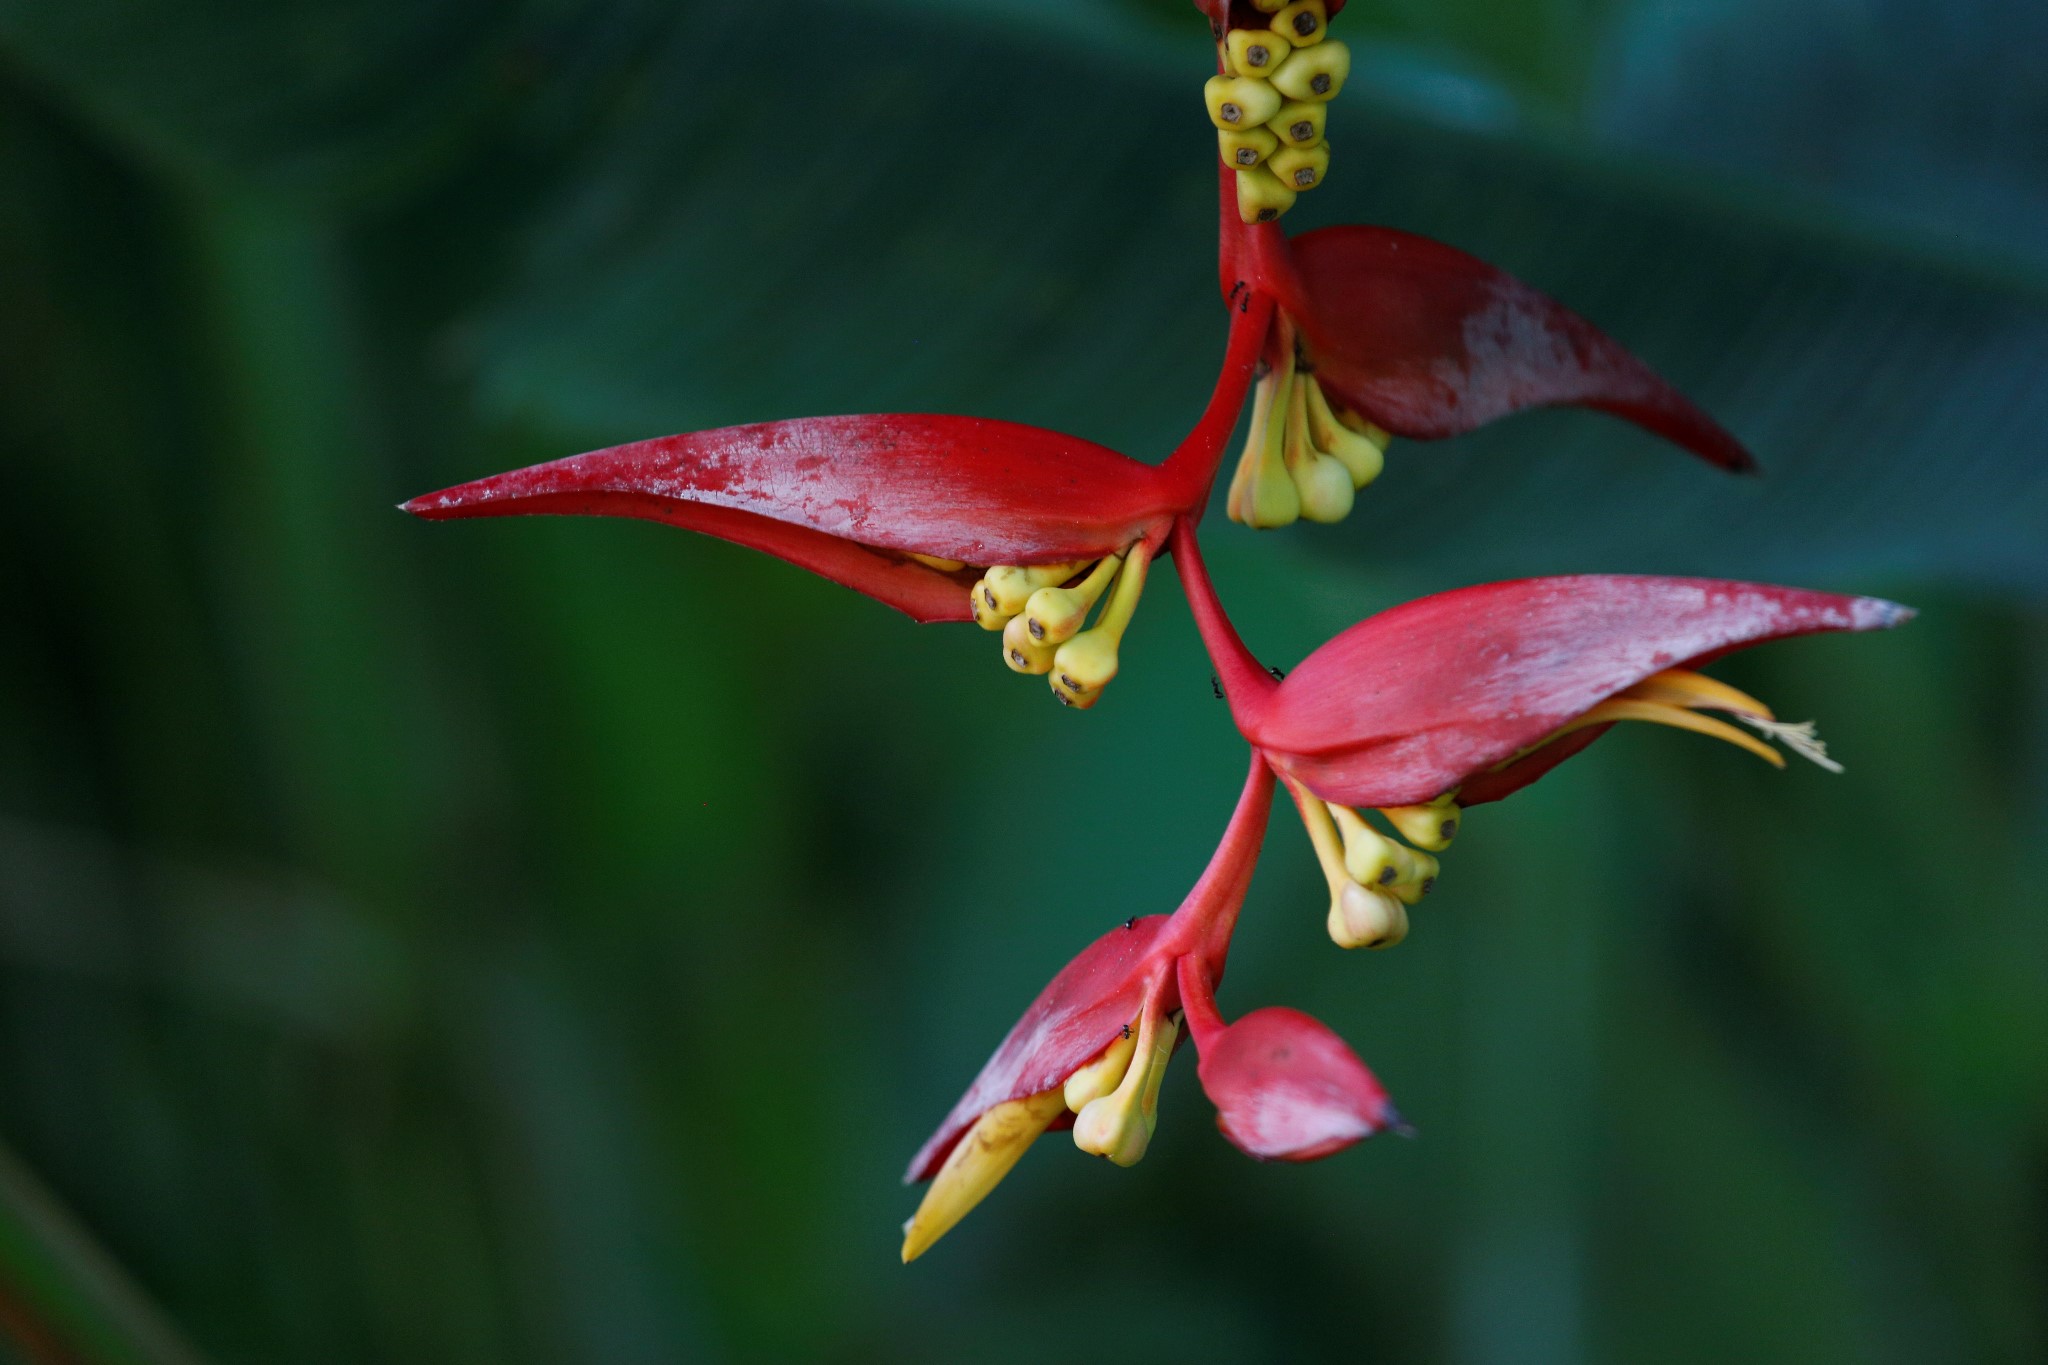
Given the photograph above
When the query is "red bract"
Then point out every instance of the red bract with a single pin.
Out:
(854, 498)
(1288, 1089)
(1442, 692)
(1089, 1052)
(851, 498)
(1422, 340)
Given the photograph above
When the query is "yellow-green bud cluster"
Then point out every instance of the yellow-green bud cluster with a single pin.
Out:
(1115, 1098)
(1041, 609)
(1301, 458)
(1373, 879)
(1269, 105)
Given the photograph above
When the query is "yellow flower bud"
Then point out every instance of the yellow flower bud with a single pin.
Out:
(1022, 653)
(1054, 614)
(1246, 147)
(1256, 52)
(1119, 1125)
(1269, 6)
(1362, 455)
(1261, 197)
(1011, 588)
(1432, 826)
(1103, 1075)
(1314, 73)
(1085, 663)
(942, 565)
(1301, 168)
(1262, 494)
(1240, 101)
(1067, 696)
(1366, 917)
(1304, 22)
(1324, 488)
(1299, 123)
(1418, 874)
(988, 613)
(1323, 484)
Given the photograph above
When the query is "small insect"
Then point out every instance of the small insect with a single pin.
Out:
(1131, 923)
(1216, 687)
(1127, 1030)
(1279, 674)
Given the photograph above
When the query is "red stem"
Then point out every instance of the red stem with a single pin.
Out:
(1245, 682)
(1203, 924)
(1196, 459)
(1198, 1003)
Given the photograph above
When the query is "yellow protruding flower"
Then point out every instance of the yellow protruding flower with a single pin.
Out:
(983, 1156)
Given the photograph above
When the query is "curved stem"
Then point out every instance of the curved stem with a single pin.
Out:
(1206, 919)
(1198, 1003)
(1245, 682)
(1196, 459)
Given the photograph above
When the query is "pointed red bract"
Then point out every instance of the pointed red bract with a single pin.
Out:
(1427, 342)
(1413, 702)
(1286, 1088)
(848, 497)
(1075, 1017)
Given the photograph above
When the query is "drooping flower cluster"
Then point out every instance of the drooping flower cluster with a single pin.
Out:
(1384, 737)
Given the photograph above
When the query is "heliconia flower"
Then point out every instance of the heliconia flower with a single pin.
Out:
(1379, 333)
(1023, 530)
(1465, 697)
(1091, 1050)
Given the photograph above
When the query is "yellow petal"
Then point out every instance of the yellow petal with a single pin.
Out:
(1682, 687)
(977, 1163)
(1659, 713)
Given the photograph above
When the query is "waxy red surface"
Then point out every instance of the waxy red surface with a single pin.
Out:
(1428, 341)
(1410, 703)
(830, 492)
(1287, 1088)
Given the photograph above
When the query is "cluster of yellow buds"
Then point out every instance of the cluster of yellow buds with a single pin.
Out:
(1041, 608)
(1302, 457)
(1269, 108)
(1115, 1103)
(1373, 878)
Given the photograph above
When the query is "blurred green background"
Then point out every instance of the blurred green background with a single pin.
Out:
(546, 940)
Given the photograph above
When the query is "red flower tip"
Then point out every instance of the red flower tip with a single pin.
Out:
(1286, 1088)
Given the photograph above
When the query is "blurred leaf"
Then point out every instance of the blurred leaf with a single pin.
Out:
(61, 1299)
